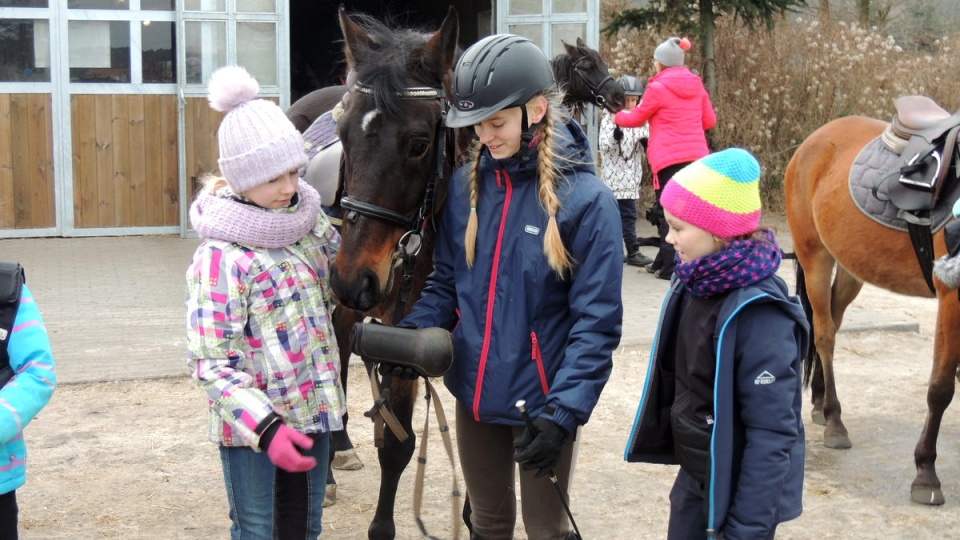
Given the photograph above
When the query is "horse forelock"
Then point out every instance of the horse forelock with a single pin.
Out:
(391, 63)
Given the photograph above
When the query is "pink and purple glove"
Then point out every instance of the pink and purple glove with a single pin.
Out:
(284, 450)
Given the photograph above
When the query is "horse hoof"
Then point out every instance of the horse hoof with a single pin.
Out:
(330, 497)
(818, 418)
(927, 495)
(837, 442)
(347, 460)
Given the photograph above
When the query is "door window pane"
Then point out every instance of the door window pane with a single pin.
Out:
(98, 4)
(99, 51)
(159, 52)
(568, 32)
(526, 7)
(204, 5)
(206, 49)
(256, 6)
(569, 6)
(257, 50)
(24, 3)
(158, 5)
(533, 32)
(24, 50)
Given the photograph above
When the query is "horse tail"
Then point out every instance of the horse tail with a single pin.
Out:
(811, 358)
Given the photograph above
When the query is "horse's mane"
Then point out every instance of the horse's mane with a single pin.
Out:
(393, 57)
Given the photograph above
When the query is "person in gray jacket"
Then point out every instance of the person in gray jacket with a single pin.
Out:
(723, 391)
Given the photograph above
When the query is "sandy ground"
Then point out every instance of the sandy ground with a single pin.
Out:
(130, 459)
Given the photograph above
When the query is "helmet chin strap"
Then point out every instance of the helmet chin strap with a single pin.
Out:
(526, 135)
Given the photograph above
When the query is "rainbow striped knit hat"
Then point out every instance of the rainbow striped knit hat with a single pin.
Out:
(720, 193)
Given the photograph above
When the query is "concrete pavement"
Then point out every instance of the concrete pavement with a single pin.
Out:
(114, 305)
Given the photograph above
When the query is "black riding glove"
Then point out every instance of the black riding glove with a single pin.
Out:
(540, 447)
(385, 368)
(643, 143)
(617, 134)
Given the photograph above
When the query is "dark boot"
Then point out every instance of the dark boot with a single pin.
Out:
(637, 259)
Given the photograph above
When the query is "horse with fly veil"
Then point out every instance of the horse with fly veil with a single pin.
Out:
(858, 178)
(394, 181)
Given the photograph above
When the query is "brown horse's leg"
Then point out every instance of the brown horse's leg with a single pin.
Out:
(946, 354)
(394, 457)
(818, 265)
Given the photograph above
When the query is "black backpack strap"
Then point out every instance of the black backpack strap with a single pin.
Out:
(11, 284)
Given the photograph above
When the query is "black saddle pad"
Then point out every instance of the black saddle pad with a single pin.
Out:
(872, 165)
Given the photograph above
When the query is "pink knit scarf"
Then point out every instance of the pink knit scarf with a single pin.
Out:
(222, 216)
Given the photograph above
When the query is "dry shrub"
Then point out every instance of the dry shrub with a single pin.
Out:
(775, 88)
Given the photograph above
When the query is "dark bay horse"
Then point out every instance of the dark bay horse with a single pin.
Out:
(831, 233)
(391, 130)
(583, 75)
(398, 158)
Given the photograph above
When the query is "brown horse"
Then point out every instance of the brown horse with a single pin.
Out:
(398, 157)
(831, 233)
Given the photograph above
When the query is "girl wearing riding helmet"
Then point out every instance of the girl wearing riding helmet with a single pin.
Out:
(528, 268)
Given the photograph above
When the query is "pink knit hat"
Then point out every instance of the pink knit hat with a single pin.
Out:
(720, 193)
(257, 141)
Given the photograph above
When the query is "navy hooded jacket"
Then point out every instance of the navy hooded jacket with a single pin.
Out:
(757, 446)
(521, 332)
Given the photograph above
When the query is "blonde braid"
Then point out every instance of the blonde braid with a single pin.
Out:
(470, 237)
(557, 255)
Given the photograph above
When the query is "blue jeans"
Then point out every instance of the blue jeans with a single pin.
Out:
(267, 502)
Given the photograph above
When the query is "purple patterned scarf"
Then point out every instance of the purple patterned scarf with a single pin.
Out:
(740, 264)
(222, 216)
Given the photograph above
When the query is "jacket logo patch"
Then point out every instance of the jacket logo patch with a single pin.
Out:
(531, 229)
(765, 378)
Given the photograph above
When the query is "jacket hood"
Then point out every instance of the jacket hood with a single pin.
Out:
(572, 151)
(775, 291)
(679, 80)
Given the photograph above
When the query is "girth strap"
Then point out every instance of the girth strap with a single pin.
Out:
(422, 462)
(922, 240)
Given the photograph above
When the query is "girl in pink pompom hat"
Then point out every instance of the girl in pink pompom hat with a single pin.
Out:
(260, 340)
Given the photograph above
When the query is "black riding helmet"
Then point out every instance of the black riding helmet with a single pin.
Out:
(631, 85)
(497, 72)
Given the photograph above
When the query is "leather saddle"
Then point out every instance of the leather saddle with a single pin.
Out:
(925, 136)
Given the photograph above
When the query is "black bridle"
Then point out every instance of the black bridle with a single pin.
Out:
(594, 88)
(414, 224)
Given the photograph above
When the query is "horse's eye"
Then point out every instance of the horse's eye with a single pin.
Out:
(417, 149)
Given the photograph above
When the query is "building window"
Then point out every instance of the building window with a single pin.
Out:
(24, 50)
(99, 51)
(159, 52)
(205, 5)
(24, 3)
(256, 50)
(99, 4)
(157, 5)
(206, 49)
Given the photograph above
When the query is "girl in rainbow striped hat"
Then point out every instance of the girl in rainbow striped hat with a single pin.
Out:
(726, 361)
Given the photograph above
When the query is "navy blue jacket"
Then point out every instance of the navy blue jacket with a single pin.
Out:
(757, 446)
(519, 331)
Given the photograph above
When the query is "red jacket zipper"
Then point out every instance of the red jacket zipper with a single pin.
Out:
(538, 358)
(491, 294)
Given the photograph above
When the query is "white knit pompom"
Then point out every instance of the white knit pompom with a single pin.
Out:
(230, 87)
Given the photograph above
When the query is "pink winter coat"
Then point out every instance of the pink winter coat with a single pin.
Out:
(679, 110)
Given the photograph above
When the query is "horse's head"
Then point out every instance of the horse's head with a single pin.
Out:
(586, 79)
(392, 132)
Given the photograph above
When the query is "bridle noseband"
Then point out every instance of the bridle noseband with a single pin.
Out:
(594, 88)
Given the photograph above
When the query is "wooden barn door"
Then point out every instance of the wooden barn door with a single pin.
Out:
(27, 199)
(125, 173)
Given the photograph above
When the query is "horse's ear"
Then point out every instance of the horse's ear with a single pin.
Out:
(441, 50)
(355, 39)
(572, 52)
(580, 43)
